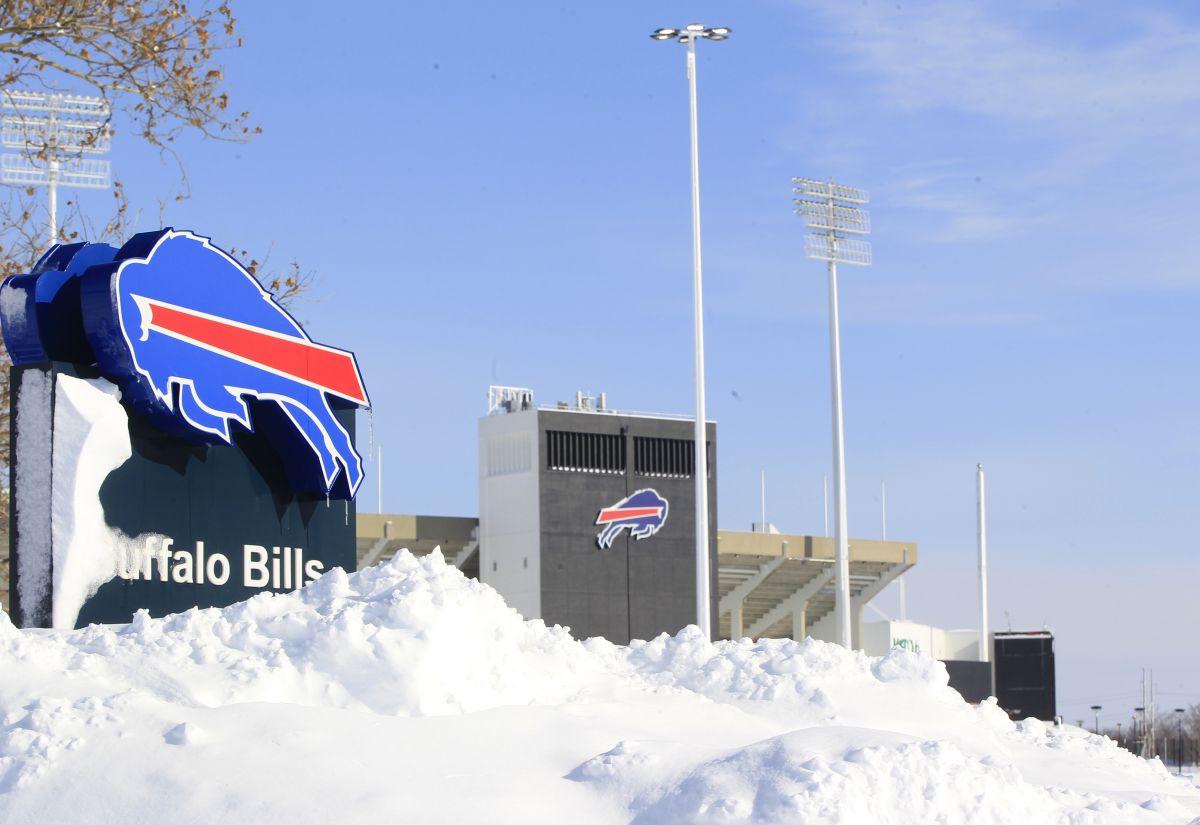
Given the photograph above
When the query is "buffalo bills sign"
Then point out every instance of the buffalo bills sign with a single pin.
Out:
(192, 351)
(239, 433)
(643, 514)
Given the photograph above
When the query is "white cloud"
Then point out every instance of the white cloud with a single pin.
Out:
(987, 59)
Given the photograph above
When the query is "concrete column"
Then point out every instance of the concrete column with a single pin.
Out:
(856, 615)
(800, 623)
(735, 621)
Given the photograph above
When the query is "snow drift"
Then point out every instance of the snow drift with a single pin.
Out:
(409, 690)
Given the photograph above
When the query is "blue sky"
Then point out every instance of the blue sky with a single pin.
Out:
(499, 194)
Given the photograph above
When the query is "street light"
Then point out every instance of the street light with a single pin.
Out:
(1179, 740)
(832, 214)
(1140, 740)
(688, 35)
(1096, 711)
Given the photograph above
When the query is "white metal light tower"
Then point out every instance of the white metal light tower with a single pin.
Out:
(688, 36)
(985, 653)
(831, 212)
(53, 132)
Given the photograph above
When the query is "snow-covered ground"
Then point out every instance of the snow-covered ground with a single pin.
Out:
(408, 693)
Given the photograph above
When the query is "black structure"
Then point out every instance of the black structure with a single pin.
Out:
(1025, 674)
(971, 679)
(223, 497)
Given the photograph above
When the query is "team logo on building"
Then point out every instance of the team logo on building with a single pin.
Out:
(642, 513)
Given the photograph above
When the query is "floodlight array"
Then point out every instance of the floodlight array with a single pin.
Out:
(838, 250)
(825, 190)
(66, 135)
(831, 216)
(81, 173)
(825, 207)
(691, 32)
(23, 99)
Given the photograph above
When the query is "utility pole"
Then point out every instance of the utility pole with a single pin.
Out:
(1179, 741)
(981, 512)
(1152, 708)
(900, 578)
(762, 497)
(825, 500)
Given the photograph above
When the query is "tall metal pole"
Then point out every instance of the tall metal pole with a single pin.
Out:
(985, 653)
(825, 502)
(900, 580)
(703, 620)
(883, 509)
(840, 535)
(762, 497)
(379, 480)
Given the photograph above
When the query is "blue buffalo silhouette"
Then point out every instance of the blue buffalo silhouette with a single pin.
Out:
(642, 513)
(160, 318)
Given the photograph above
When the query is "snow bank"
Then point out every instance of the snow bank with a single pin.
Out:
(412, 672)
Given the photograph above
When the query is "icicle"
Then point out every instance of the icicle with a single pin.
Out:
(371, 429)
(346, 510)
(326, 499)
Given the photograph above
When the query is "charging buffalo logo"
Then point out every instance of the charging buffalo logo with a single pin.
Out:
(194, 340)
(642, 513)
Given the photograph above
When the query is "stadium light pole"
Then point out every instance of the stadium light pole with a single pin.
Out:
(833, 218)
(53, 131)
(981, 540)
(688, 36)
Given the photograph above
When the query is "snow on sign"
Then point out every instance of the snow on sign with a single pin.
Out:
(197, 436)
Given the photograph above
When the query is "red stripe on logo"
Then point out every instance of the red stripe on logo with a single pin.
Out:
(628, 513)
(328, 369)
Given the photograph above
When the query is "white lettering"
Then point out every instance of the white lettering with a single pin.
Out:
(254, 565)
(313, 569)
(181, 570)
(214, 561)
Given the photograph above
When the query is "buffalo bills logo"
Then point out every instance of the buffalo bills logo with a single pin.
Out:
(643, 514)
(195, 344)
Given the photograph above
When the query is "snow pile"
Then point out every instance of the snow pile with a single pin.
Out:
(407, 690)
(91, 432)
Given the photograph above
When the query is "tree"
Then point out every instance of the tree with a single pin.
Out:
(156, 63)
(155, 60)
